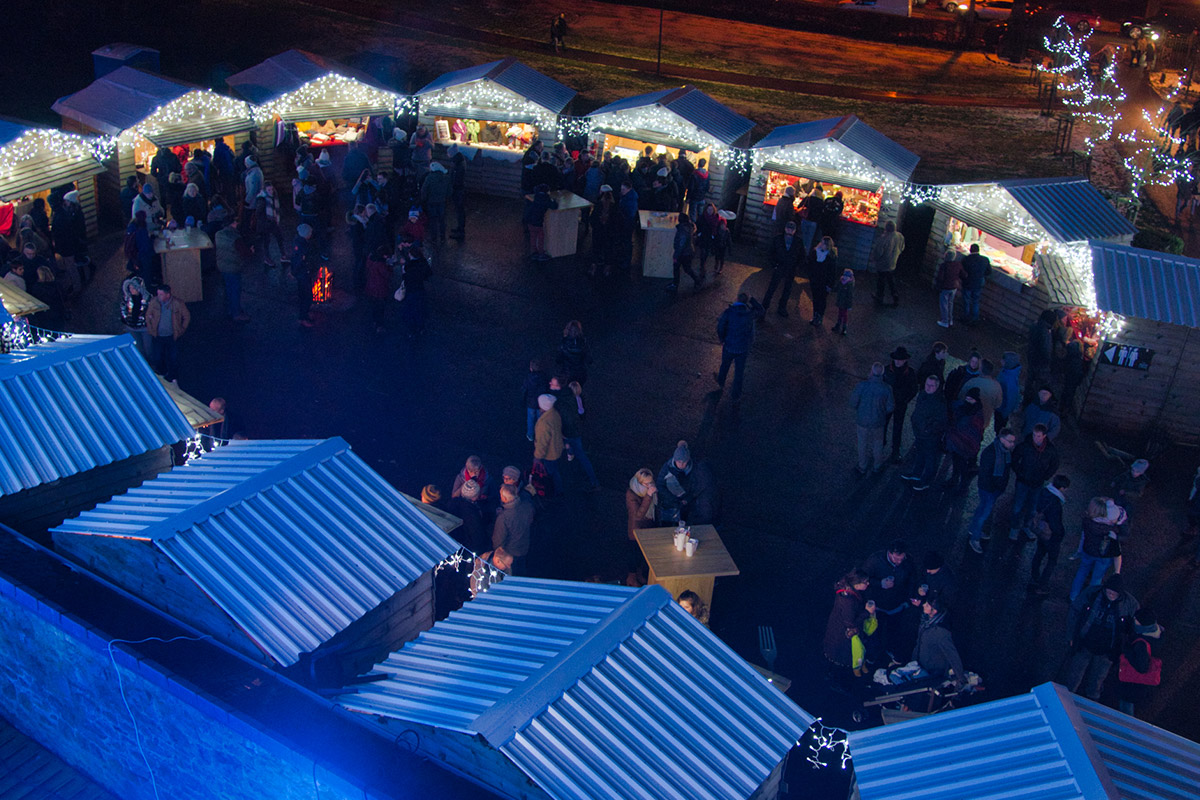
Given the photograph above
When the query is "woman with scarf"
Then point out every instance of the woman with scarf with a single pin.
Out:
(850, 622)
(641, 511)
(935, 651)
(822, 274)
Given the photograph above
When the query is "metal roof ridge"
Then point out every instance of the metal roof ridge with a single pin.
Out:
(1075, 740)
(76, 347)
(501, 66)
(675, 94)
(246, 488)
(500, 723)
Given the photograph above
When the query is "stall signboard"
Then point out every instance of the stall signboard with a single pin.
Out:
(1124, 355)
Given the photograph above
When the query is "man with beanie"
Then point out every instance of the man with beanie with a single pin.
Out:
(991, 393)
(147, 203)
(960, 375)
(514, 521)
(70, 236)
(872, 401)
(1034, 462)
(673, 480)
(1010, 388)
(1100, 622)
(903, 379)
(1042, 410)
(548, 440)
(995, 467)
(735, 329)
(466, 506)
(303, 257)
(1129, 485)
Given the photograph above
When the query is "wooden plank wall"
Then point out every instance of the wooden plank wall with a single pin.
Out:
(88, 202)
(145, 572)
(468, 756)
(34, 511)
(769, 789)
(1136, 402)
(399, 619)
(491, 177)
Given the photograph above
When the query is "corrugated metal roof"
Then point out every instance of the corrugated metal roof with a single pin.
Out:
(1045, 745)
(291, 70)
(126, 97)
(593, 691)
(295, 540)
(78, 403)
(690, 104)
(852, 133)
(48, 158)
(18, 302)
(122, 51)
(1147, 284)
(1064, 286)
(1070, 209)
(512, 75)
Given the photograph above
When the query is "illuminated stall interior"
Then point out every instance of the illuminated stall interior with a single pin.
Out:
(34, 160)
(673, 119)
(143, 112)
(329, 105)
(839, 154)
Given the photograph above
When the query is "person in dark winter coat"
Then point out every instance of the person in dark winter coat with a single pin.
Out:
(684, 251)
(1049, 510)
(1101, 533)
(466, 506)
(963, 439)
(574, 355)
(977, 268)
(891, 572)
(935, 580)
(872, 401)
(686, 489)
(1039, 352)
(787, 256)
(995, 468)
(537, 383)
(567, 406)
(903, 379)
(377, 287)
(928, 427)
(1100, 622)
(822, 277)
(845, 299)
(304, 267)
(947, 282)
(959, 376)
(1141, 662)
(1044, 412)
(1010, 388)
(1035, 461)
(535, 220)
(735, 330)
(514, 523)
(935, 651)
(934, 363)
(849, 621)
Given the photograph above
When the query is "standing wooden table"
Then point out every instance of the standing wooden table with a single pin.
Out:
(181, 261)
(562, 223)
(674, 571)
(658, 249)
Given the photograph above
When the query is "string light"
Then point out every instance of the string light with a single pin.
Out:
(17, 334)
(659, 120)
(824, 155)
(827, 740)
(1093, 101)
(990, 198)
(329, 90)
(44, 144)
(198, 105)
(485, 99)
(482, 574)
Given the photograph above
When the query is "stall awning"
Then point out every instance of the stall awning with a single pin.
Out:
(687, 103)
(298, 86)
(1070, 209)
(1147, 284)
(165, 111)
(988, 223)
(78, 403)
(34, 158)
(853, 134)
(508, 73)
(823, 175)
(19, 303)
(580, 686)
(294, 540)
(1045, 745)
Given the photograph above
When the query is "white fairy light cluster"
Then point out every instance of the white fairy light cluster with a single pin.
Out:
(38, 143)
(825, 739)
(477, 99)
(1155, 156)
(638, 121)
(990, 198)
(1093, 101)
(332, 88)
(482, 576)
(199, 105)
(17, 334)
(1078, 257)
(824, 155)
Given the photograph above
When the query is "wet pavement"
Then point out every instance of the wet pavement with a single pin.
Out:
(793, 515)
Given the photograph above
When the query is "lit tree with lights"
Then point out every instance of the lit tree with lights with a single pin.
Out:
(1092, 98)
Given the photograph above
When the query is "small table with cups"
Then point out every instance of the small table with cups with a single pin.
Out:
(675, 570)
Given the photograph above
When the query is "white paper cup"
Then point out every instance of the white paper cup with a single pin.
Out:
(680, 540)
(691, 546)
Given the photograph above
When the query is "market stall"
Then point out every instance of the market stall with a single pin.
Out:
(1146, 369)
(35, 159)
(140, 113)
(840, 154)
(493, 112)
(671, 120)
(1026, 228)
(303, 98)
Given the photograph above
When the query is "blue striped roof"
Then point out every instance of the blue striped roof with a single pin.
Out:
(10, 131)
(592, 691)
(289, 71)
(1044, 745)
(78, 403)
(854, 134)
(1147, 284)
(1071, 209)
(691, 104)
(512, 75)
(295, 540)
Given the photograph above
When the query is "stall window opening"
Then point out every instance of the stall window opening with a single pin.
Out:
(484, 132)
(1013, 260)
(633, 149)
(859, 205)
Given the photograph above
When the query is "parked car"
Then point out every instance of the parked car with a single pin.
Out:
(990, 10)
(1136, 28)
(1078, 18)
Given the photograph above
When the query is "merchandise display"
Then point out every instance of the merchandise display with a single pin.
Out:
(1013, 260)
(859, 206)
(516, 136)
(632, 149)
(329, 132)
